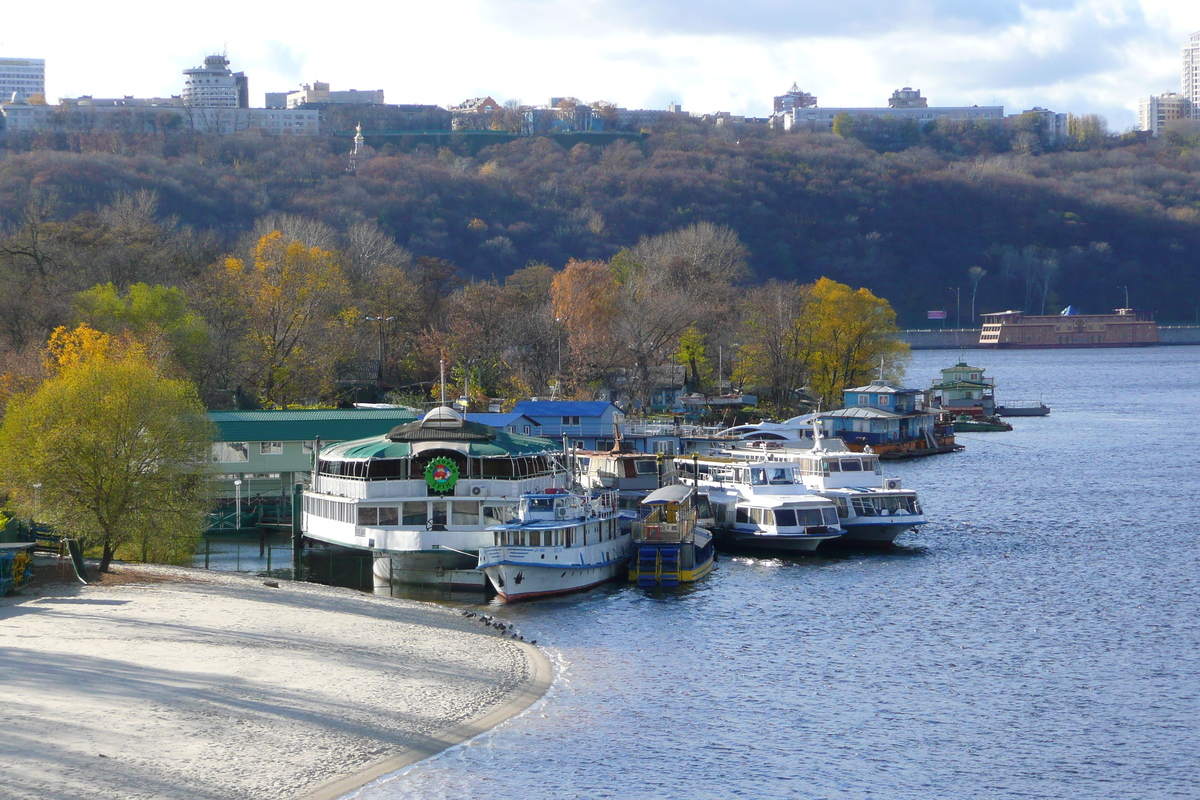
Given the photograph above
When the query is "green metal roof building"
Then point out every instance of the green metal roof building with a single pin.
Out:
(269, 451)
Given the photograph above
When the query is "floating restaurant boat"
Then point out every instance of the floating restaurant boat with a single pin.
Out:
(873, 509)
(669, 545)
(560, 542)
(1015, 329)
(424, 497)
(761, 505)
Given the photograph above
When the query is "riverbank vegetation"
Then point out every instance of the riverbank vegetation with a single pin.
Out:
(274, 275)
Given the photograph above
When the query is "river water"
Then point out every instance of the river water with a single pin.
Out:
(1039, 638)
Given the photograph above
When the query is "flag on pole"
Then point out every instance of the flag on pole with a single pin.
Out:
(935, 314)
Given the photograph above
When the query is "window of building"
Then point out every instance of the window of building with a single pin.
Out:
(226, 452)
(570, 420)
(270, 448)
(308, 447)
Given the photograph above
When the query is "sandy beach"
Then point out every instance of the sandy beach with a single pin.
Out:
(172, 683)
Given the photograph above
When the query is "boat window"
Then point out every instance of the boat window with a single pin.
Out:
(830, 516)
(647, 467)
(415, 513)
(496, 515)
(851, 465)
(464, 512)
(780, 475)
(785, 517)
(758, 476)
(832, 466)
(437, 519)
(742, 516)
(540, 503)
(389, 515)
(535, 539)
(811, 516)
(368, 515)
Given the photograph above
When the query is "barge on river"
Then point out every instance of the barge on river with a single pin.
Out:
(1122, 328)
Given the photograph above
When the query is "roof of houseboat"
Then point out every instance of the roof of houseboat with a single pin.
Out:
(675, 493)
(442, 428)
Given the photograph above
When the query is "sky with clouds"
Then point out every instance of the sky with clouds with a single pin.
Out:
(1082, 56)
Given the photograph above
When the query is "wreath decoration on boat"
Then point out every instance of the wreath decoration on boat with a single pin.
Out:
(441, 474)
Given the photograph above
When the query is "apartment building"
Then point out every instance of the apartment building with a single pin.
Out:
(1158, 111)
(21, 78)
(1191, 75)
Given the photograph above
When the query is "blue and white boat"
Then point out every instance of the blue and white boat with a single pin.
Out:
(560, 542)
(669, 545)
(761, 505)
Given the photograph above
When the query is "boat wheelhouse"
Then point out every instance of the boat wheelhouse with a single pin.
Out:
(669, 545)
(560, 542)
(761, 505)
(424, 497)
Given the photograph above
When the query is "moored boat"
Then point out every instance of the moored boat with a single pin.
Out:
(560, 542)
(872, 508)
(423, 498)
(966, 423)
(669, 546)
(760, 505)
(1023, 409)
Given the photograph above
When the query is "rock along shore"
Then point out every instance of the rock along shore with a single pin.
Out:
(173, 683)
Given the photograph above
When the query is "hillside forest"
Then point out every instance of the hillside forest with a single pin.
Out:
(273, 273)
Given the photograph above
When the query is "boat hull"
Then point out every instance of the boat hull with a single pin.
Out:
(525, 581)
(441, 568)
(701, 563)
(784, 543)
(876, 533)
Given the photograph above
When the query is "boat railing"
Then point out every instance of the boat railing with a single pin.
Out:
(656, 529)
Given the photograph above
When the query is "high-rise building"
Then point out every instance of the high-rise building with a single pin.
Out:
(21, 78)
(1191, 74)
(1158, 111)
(215, 86)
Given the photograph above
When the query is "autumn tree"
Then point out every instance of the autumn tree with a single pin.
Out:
(774, 356)
(293, 302)
(584, 300)
(109, 450)
(149, 312)
(849, 335)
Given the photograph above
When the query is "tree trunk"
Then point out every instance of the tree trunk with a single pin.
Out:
(107, 556)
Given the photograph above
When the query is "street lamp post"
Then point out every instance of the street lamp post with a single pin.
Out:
(1126, 288)
(37, 490)
(379, 350)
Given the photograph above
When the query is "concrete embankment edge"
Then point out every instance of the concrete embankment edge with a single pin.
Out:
(540, 673)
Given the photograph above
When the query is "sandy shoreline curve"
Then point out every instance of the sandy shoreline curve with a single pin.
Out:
(174, 683)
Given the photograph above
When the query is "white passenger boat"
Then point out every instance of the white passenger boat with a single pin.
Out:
(560, 542)
(872, 508)
(423, 498)
(760, 505)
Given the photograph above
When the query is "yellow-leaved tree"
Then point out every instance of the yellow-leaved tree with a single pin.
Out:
(293, 302)
(109, 450)
(822, 337)
(851, 335)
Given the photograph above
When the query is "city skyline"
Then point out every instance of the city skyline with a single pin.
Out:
(1082, 56)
